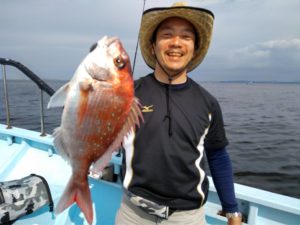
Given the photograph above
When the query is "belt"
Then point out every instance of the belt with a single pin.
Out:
(150, 207)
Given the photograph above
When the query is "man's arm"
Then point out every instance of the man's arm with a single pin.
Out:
(221, 171)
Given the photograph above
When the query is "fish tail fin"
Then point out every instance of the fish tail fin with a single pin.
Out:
(79, 193)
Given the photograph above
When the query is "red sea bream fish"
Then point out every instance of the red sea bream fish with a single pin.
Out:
(99, 110)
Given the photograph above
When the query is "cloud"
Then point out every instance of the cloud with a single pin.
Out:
(271, 60)
(52, 37)
(282, 44)
(267, 54)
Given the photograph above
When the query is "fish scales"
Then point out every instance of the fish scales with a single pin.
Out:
(93, 113)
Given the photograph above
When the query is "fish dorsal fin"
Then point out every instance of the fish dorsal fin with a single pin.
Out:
(133, 119)
(59, 97)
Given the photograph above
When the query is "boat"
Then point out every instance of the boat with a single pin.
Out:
(25, 152)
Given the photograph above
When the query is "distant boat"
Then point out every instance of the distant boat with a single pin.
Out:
(24, 152)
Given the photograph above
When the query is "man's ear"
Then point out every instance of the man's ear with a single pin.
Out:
(152, 48)
(194, 53)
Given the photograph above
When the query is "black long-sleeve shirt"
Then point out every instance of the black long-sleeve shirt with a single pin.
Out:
(168, 169)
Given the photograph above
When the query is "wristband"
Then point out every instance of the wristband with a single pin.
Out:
(233, 215)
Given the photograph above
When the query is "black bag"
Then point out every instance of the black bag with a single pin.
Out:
(23, 196)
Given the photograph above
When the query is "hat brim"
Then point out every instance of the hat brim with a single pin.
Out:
(200, 18)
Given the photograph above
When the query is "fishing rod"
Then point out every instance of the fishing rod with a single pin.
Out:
(137, 43)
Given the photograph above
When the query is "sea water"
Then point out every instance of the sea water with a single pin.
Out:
(262, 122)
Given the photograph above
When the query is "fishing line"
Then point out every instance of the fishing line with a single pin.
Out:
(137, 43)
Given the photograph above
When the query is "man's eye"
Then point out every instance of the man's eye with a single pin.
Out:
(187, 37)
(167, 35)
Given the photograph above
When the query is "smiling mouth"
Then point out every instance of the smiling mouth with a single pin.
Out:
(174, 54)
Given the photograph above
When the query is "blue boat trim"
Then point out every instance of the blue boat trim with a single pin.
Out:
(23, 152)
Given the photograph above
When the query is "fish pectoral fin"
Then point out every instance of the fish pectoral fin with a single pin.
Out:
(79, 193)
(133, 118)
(59, 97)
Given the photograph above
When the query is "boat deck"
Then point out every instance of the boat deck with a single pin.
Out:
(19, 158)
(24, 152)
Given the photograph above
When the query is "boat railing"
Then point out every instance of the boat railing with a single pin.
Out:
(42, 85)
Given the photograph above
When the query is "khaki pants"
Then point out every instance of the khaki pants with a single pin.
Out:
(130, 214)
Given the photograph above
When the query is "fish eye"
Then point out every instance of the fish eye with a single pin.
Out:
(119, 62)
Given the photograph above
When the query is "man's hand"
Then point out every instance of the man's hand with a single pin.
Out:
(235, 221)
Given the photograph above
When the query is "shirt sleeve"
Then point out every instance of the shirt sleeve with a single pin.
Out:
(222, 175)
(216, 137)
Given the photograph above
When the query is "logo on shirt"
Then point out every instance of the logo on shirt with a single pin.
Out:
(146, 108)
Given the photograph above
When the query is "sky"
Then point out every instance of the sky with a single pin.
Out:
(253, 40)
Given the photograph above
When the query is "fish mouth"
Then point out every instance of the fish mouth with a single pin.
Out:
(108, 49)
(114, 46)
(111, 41)
(105, 42)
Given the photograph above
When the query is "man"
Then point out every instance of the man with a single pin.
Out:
(164, 179)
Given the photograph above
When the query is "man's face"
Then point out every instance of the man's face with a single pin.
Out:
(174, 45)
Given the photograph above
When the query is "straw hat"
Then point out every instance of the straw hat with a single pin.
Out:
(200, 18)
